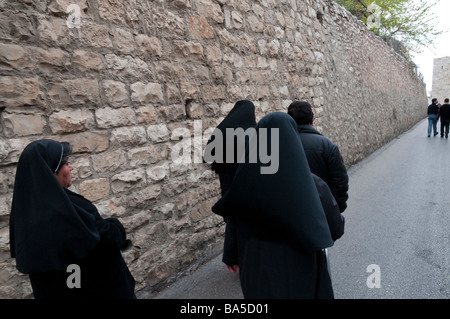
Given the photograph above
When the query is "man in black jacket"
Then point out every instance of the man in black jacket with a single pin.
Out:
(433, 114)
(444, 114)
(323, 156)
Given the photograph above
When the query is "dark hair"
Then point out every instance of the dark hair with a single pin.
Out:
(301, 112)
(67, 150)
(446, 101)
(433, 100)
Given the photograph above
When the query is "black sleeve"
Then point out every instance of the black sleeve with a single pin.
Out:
(335, 219)
(338, 178)
(112, 230)
(230, 246)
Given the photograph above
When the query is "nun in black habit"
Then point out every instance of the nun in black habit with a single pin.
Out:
(281, 224)
(52, 227)
(242, 115)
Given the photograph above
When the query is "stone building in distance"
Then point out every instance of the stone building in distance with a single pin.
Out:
(441, 79)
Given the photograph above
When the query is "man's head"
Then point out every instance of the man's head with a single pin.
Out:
(446, 101)
(434, 101)
(301, 112)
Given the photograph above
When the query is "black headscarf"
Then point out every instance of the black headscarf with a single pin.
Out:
(286, 202)
(46, 231)
(241, 116)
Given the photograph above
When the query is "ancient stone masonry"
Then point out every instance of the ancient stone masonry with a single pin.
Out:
(441, 79)
(123, 81)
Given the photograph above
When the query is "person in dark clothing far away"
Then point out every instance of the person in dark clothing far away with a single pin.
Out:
(433, 112)
(444, 115)
(58, 237)
(323, 155)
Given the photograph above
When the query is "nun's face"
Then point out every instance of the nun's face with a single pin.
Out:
(64, 176)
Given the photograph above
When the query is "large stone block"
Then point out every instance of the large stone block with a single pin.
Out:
(20, 91)
(18, 124)
(75, 120)
(74, 92)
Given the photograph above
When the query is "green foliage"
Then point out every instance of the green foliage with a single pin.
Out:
(409, 21)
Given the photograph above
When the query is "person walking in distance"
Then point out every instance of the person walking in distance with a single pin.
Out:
(444, 114)
(433, 112)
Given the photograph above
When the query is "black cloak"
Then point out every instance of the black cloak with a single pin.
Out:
(335, 219)
(281, 224)
(52, 228)
(242, 115)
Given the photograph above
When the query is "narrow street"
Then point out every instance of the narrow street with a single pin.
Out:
(398, 219)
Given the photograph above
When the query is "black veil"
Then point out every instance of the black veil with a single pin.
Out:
(47, 232)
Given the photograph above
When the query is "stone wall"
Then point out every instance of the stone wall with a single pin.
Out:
(126, 82)
(370, 93)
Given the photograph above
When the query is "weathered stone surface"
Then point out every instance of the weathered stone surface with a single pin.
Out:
(199, 28)
(144, 197)
(146, 93)
(87, 60)
(50, 60)
(108, 117)
(82, 142)
(127, 66)
(74, 92)
(116, 93)
(148, 46)
(20, 28)
(94, 35)
(441, 74)
(147, 155)
(71, 121)
(210, 9)
(123, 41)
(14, 57)
(11, 148)
(158, 133)
(59, 7)
(146, 115)
(20, 91)
(128, 179)
(109, 161)
(53, 31)
(95, 189)
(128, 136)
(158, 173)
(23, 124)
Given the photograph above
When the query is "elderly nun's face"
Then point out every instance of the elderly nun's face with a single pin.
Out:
(64, 175)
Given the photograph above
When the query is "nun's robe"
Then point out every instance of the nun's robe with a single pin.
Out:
(52, 227)
(241, 116)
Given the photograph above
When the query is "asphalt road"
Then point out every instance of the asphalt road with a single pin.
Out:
(398, 219)
(397, 238)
